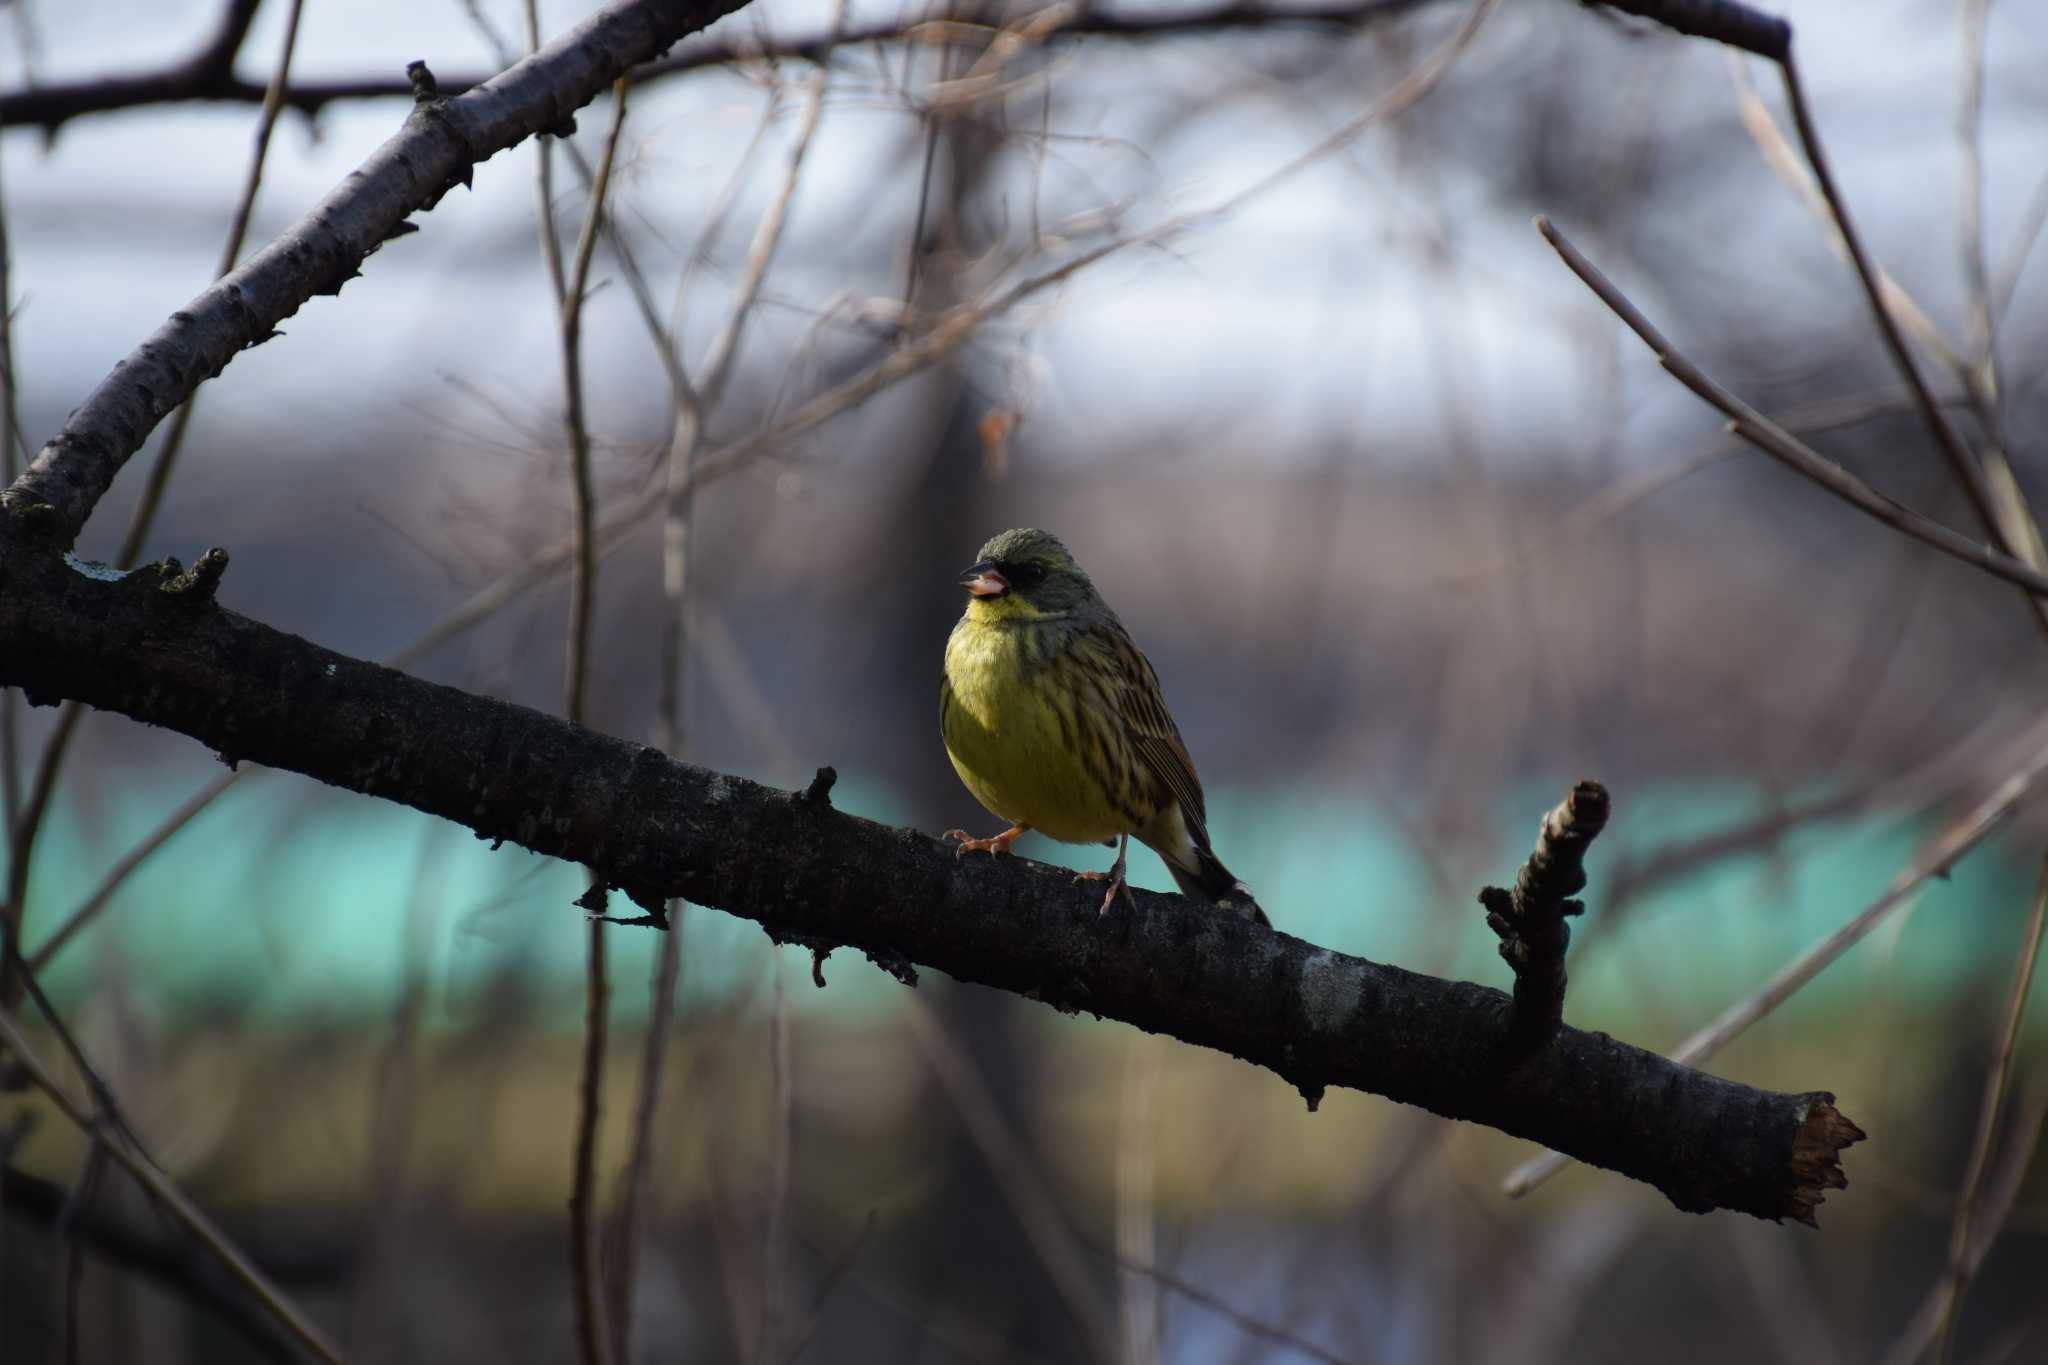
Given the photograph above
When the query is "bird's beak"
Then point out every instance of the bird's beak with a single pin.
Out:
(985, 580)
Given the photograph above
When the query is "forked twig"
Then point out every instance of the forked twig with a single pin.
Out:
(1961, 1265)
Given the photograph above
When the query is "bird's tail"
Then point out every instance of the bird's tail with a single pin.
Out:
(1210, 880)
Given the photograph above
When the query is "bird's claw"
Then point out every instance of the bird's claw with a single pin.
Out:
(994, 845)
(1116, 884)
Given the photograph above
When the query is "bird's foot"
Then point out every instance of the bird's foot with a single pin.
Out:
(994, 844)
(1115, 878)
(1117, 884)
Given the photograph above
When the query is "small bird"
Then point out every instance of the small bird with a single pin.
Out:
(1055, 722)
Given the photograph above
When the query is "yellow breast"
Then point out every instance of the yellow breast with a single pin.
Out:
(1033, 741)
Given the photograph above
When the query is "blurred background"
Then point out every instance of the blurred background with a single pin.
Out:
(1414, 532)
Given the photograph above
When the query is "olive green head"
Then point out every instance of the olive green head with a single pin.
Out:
(1024, 575)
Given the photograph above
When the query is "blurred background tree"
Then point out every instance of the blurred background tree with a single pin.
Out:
(1413, 530)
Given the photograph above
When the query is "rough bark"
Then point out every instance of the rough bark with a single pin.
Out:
(811, 874)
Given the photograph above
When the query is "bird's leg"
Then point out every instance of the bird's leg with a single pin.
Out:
(1115, 876)
(997, 843)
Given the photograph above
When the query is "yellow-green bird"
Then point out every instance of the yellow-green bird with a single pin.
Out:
(1055, 722)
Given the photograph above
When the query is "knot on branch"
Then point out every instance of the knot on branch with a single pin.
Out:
(424, 87)
(1530, 918)
(30, 517)
(196, 584)
(821, 947)
(819, 792)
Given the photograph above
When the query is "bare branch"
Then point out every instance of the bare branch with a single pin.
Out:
(1993, 491)
(1775, 441)
(184, 1210)
(593, 1336)
(435, 151)
(812, 874)
(1962, 1264)
(50, 106)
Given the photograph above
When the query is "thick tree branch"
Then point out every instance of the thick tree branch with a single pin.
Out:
(431, 154)
(813, 875)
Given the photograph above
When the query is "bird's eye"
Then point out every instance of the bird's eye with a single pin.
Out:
(1029, 574)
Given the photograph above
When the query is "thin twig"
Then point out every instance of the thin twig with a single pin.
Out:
(636, 280)
(946, 334)
(1057, 1244)
(126, 864)
(693, 414)
(1405, 94)
(1623, 494)
(181, 1208)
(781, 1144)
(23, 829)
(544, 184)
(1780, 444)
(23, 834)
(1137, 1211)
(13, 450)
(73, 1245)
(1974, 366)
(1994, 1209)
(583, 562)
(1970, 186)
(1059, 1250)
(1236, 1317)
(1955, 1278)
(238, 231)
(800, 1341)
(593, 1336)
(1783, 161)
(107, 1109)
(593, 1340)
(13, 447)
(625, 1228)
(1934, 860)
(51, 105)
(2000, 505)
(719, 355)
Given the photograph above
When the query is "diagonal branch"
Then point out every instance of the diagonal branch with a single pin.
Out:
(810, 874)
(1771, 438)
(435, 151)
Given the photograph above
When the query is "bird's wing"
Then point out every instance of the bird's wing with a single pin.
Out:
(1155, 737)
